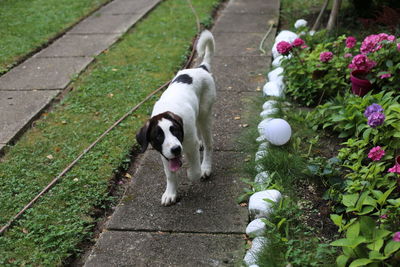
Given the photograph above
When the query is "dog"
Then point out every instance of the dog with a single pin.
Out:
(181, 121)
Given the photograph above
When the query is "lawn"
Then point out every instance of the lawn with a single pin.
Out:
(145, 58)
(25, 26)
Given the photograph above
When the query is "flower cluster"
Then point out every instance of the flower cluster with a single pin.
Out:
(284, 48)
(350, 42)
(376, 153)
(326, 56)
(375, 115)
(373, 42)
(396, 167)
(362, 63)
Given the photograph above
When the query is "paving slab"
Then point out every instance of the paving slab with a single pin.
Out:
(18, 108)
(73, 45)
(106, 23)
(265, 7)
(231, 117)
(118, 7)
(204, 207)
(43, 73)
(166, 249)
(236, 22)
(245, 44)
(242, 73)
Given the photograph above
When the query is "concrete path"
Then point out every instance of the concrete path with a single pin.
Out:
(31, 86)
(206, 227)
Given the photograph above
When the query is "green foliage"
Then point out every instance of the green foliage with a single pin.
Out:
(345, 114)
(290, 240)
(311, 81)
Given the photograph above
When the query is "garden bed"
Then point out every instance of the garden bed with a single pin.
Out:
(339, 173)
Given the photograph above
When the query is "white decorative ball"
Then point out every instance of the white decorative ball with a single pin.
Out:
(300, 23)
(277, 131)
(275, 74)
(273, 88)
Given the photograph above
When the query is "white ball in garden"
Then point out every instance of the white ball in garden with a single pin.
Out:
(300, 23)
(277, 131)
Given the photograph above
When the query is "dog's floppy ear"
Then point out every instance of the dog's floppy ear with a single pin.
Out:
(141, 137)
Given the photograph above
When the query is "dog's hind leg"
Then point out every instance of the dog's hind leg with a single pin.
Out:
(170, 194)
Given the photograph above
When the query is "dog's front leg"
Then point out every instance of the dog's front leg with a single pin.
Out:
(192, 155)
(170, 194)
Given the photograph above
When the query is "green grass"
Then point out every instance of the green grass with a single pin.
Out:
(26, 25)
(147, 56)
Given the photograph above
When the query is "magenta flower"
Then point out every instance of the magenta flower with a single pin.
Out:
(325, 56)
(373, 108)
(385, 75)
(383, 216)
(396, 167)
(298, 42)
(350, 42)
(284, 48)
(362, 63)
(347, 55)
(376, 119)
(372, 42)
(376, 153)
(396, 237)
(398, 47)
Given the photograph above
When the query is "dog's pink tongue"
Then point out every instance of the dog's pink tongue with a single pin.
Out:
(175, 164)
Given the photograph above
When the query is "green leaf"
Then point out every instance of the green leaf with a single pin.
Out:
(376, 245)
(348, 242)
(283, 220)
(375, 255)
(360, 262)
(383, 198)
(349, 200)
(365, 210)
(337, 220)
(353, 231)
(366, 134)
(342, 260)
(391, 247)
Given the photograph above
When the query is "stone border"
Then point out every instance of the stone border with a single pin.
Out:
(258, 207)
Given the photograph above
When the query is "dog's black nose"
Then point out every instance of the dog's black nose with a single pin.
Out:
(176, 150)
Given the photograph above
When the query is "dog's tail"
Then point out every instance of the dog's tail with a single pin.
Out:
(205, 48)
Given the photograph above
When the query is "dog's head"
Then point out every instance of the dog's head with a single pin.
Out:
(165, 133)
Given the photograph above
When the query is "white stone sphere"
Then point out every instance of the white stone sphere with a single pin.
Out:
(300, 23)
(269, 104)
(258, 207)
(256, 228)
(286, 36)
(277, 131)
(273, 88)
(277, 61)
(275, 74)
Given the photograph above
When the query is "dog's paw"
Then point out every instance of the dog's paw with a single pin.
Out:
(168, 198)
(205, 173)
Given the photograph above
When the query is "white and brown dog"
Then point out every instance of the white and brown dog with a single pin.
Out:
(181, 121)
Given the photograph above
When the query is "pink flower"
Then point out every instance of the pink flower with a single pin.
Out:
(325, 56)
(347, 55)
(350, 42)
(298, 42)
(396, 167)
(372, 42)
(396, 237)
(362, 62)
(398, 47)
(304, 46)
(385, 75)
(376, 153)
(283, 47)
(383, 216)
